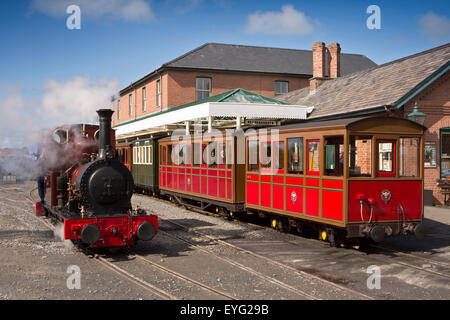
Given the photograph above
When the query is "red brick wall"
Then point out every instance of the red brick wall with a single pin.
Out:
(435, 103)
(178, 87)
(182, 84)
(137, 100)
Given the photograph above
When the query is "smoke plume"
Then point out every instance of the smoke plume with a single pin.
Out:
(26, 122)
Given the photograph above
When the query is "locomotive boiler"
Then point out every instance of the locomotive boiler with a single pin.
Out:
(90, 190)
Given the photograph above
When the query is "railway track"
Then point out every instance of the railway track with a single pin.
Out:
(400, 253)
(247, 269)
(132, 278)
(297, 291)
(179, 275)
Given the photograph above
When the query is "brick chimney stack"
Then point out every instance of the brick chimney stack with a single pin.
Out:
(321, 64)
(318, 51)
(334, 60)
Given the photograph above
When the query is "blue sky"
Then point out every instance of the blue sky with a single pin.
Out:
(122, 40)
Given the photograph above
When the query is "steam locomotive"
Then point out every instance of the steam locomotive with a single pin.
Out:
(89, 190)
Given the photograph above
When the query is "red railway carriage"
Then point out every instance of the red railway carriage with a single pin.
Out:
(124, 151)
(202, 169)
(348, 178)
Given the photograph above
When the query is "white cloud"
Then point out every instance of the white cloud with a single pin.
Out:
(130, 10)
(76, 100)
(287, 22)
(66, 102)
(435, 26)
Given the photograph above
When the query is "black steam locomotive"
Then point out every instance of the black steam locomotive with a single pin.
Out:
(89, 190)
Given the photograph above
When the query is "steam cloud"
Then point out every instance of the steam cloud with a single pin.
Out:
(25, 122)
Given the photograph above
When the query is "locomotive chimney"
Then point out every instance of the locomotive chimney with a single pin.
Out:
(104, 138)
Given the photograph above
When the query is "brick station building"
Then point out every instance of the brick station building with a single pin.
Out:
(214, 68)
(391, 89)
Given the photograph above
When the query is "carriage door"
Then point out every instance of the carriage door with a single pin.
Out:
(386, 150)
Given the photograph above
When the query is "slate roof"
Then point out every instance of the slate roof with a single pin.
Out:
(385, 85)
(218, 56)
(242, 58)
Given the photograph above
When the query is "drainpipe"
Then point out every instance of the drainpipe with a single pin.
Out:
(135, 103)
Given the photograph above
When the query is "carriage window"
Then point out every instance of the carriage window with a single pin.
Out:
(360, 158)
(295, 155)
(150, 155)
(144, 155)
(161, 154)
(386, 158)
(212, 151)
(175, 154)
(312, 167)
(204, 155)
(229, 154)
(252, 155)
(181, 154)
(266, 156)
(334, 156)
(138, 159)
(222, 155)
(169, 155)
(197, 154)
(188, 155)
(279, 157)
(409, 157)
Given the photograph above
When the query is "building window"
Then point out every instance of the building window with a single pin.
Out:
(203, 88)
(118, 109)
(430, 155)
(445, 152)
(130, 103)
(144, 99)
(281, 87)
(158, 92)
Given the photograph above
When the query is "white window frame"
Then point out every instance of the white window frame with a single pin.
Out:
(144, 99)
(158, 93)
(281, 82)
(130, 104)
(118, 109)
(197, 90)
